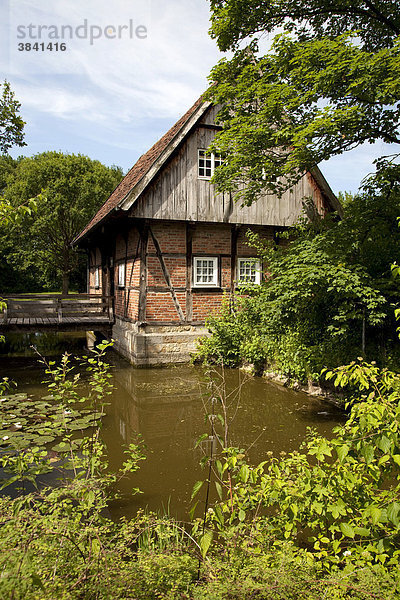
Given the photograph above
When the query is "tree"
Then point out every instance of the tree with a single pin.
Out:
(11, 124)
(329, 294)
(377, 22)
(330, 83)
(71, 188)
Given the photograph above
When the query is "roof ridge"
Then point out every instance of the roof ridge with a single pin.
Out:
(138, 171)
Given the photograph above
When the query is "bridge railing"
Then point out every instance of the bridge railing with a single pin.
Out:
(57, 307)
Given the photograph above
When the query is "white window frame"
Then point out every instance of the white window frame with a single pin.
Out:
(257, 265)
(205, 284)
(121, 275)
(202, 154)
(97, 278)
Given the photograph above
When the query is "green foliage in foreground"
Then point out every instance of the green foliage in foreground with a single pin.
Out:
(335, 498)
(322, 522)
(331, 280)
(72, 554)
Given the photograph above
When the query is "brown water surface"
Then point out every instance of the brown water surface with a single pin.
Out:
(167, 407)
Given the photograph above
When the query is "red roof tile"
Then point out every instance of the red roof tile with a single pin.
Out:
(138, 171)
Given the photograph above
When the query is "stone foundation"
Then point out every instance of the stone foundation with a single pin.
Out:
(151, 345)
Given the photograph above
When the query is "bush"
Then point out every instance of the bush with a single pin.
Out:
(328, 295)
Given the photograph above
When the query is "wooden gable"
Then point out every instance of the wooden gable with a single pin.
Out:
(164, 184)
(177, 193)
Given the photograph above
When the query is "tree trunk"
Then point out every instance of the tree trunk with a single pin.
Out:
(65, 283)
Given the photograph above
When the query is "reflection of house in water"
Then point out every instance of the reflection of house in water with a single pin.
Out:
(165, 407)
(122, 429)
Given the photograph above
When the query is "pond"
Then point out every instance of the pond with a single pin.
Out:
(167, 407)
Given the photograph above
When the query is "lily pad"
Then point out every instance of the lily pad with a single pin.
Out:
(24, 421)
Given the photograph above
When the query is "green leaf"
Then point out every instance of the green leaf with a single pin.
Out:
(244, 473)
(219, 489)
(61, 447)
(347, 530)
(205, 542)
(342, 451)
(241, 515)
(375, 513)
(219, 515)
(368, 453)
(384, 444)
(192, 510)
(196, 488)
(393, 513)
(362, 531)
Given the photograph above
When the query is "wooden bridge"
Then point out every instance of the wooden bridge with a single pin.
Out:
(38, 312)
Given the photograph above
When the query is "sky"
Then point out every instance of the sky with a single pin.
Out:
(129, 70)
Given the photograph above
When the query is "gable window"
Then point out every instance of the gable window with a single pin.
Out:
(96, 278)
(248, 270)
(121, 275)
(207, 163)
(205, 271)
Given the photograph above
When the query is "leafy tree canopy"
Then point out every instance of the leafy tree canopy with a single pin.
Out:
(377, 22)
(330, 83)
(71, 188)
(11, 124)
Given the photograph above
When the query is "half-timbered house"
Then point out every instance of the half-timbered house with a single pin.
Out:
(168, 248)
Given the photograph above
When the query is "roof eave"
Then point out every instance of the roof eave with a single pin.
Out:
(129, 199)
(326, 190)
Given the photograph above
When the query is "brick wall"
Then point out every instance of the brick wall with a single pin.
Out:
(126, 302)
(171, 237)
(206, 304)
(211, 239)
(160, 307)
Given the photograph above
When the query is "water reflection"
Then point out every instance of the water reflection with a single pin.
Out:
(167, 408)
(50, 343)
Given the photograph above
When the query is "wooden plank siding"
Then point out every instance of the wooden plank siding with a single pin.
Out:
(177, 193)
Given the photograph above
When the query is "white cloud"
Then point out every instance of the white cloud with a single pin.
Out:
(124, 79)
(58, 101)
(346, 171)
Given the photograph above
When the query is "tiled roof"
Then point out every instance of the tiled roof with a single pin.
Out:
(138, 171)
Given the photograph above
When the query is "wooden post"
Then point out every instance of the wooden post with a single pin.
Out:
(59, 309)
(235, 230)
(87, 272)
(144, 236)
(110, 309)
(189, 258)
